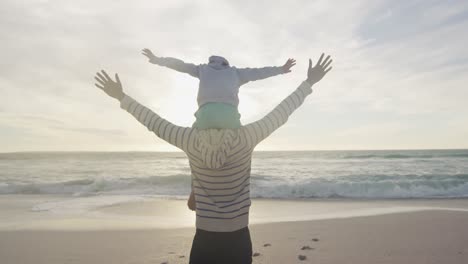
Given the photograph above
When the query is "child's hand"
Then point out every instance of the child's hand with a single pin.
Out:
(149, 54)
(288, 65)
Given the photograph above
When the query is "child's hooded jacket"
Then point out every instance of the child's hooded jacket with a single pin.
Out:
(219, 82)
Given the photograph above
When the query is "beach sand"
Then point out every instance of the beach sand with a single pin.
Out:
(417, 236)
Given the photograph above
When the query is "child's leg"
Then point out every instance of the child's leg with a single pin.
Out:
(217, 115)
(191, 202)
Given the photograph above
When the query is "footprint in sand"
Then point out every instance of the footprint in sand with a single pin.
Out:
(307, 248)
(267, 245)
(256, 254)
(302, 257)
(315, 239)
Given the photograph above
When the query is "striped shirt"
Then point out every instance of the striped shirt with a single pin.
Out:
(220, 159)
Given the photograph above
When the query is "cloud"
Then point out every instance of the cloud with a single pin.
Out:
(32, 123)
(394, 63)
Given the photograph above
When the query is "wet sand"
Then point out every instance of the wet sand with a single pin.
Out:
(424, 236)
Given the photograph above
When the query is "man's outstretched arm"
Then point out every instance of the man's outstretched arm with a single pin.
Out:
(172, 63)
(261, 129)
(253, 74)
(175, 135)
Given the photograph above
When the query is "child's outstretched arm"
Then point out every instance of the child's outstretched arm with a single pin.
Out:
(172, 63)
(253, 74)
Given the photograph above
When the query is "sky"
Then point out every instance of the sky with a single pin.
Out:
(399, 78)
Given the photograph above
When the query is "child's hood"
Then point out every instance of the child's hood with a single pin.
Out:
(218, 62)
(216, 145)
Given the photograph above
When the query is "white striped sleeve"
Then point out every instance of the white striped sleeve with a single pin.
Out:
(259, 130)
(175, 135)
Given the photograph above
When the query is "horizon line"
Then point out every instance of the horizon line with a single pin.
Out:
(180, 151)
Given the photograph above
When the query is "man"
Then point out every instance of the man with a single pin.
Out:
(220, 162)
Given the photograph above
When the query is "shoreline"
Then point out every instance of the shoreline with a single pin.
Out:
(37, 212)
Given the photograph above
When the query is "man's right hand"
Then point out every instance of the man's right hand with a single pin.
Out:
(316, 73)
(152, 58)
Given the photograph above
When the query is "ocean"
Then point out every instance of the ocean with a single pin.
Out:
(378, 174)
